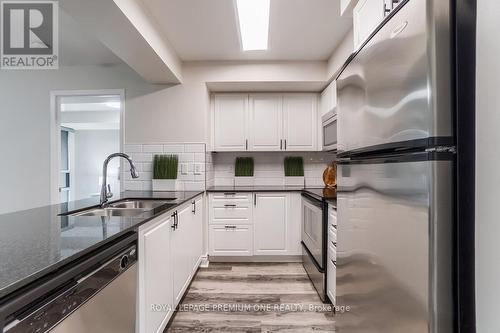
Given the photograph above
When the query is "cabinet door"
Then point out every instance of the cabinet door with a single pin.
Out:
(329, 98)
(230, 122)
(300, 122)
(182, 244)
(367, 15)
(270, 224)
(265, 122)
(155, 277)
(197, 234)
(230, 240)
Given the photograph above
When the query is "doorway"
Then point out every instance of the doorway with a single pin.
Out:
(87, 126)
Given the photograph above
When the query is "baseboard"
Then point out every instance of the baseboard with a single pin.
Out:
(288, 258)
(204, 261)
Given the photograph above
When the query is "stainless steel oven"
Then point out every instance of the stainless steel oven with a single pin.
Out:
(330, 130)
(314, 239)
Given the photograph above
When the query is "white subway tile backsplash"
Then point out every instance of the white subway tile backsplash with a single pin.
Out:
(199, 157)
(268, 167)
(147, 186)
(141, 157)
(132, 185)
(152, 149)
(194, 186)
(186, 157)
(194, 148)
(269, 181)
(173, 148)
(132, 149)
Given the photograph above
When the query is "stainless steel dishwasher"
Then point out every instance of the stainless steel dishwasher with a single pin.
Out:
(97, 294)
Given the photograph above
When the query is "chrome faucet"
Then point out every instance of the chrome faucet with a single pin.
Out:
(106, 188)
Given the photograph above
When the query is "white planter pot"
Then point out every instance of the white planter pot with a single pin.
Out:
(167, 185)
(294, 181)
(243, 181)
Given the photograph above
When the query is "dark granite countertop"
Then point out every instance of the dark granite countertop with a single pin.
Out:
(326, 194)
(38, 241)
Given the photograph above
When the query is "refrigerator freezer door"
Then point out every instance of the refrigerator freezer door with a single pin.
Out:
(395, 93)
(394, 247)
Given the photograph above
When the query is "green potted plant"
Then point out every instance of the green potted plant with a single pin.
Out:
(294, 171)
(243, 171)
(165, 173)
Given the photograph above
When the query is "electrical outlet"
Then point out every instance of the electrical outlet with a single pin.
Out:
(198, 169)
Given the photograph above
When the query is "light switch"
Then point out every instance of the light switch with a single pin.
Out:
(198, 169)
(184, 168)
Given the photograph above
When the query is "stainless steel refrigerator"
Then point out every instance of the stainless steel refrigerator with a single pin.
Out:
(396, 244)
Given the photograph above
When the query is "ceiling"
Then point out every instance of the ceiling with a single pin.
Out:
(305, 30)
(99, 112)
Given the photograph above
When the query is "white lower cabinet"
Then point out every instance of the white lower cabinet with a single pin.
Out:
(155, 300)
(181, 246)
(170, 248)
(331, 282)
(263, 224)
(270, 223)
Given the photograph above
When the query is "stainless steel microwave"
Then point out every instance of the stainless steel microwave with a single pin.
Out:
(329, 120)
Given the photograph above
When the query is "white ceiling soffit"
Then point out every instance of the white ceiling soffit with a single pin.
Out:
(129, 31)
(208, 29)
(296, 86)
(79, 48)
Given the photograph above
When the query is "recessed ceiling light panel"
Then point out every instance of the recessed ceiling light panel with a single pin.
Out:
(253, 17)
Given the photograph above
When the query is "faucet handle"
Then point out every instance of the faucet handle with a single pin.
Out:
(109, 194)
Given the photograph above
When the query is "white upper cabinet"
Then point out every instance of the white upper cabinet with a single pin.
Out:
(328, 100)
(367, 15)
(266, 122)
(230, 122)
(300, 122)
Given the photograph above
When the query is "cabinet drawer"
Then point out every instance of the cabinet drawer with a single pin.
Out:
(230, 197)
(230, 212)
(231, 240)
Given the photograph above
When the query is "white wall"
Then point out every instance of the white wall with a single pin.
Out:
(153, 113)
(487, 164)
(340, 55)
(91, 149)
(25, 125)
(181, 113)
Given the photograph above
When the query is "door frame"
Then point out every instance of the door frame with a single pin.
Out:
(55, 135)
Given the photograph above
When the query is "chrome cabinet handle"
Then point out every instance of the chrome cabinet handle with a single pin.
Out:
(229, 206)
(194, 206)
(230, 226)
(281, 144)
(246, 144)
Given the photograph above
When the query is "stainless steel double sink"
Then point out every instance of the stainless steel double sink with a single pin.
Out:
(124, 208)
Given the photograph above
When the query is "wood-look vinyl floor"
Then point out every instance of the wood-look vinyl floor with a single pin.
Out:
(252, 297)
